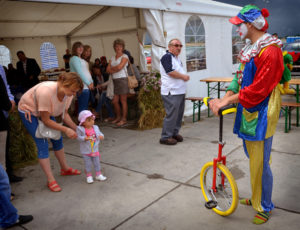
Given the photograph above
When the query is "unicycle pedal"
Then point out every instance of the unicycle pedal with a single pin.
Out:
(211, 204)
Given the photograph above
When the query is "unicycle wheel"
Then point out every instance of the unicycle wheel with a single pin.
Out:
(225, 198)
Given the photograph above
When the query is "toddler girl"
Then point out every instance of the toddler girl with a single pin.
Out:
(89, 137)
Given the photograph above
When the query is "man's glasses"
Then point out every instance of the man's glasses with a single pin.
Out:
(177, 45)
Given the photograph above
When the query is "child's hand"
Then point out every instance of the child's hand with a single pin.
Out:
(87, 138)
(101, 137)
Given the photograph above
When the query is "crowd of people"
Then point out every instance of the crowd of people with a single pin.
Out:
(94, 84)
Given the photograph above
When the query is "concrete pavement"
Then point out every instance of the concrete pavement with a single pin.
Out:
(156, 187)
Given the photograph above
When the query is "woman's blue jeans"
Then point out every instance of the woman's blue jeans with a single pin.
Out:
(83, 100)
(8, 213)
(107, 102)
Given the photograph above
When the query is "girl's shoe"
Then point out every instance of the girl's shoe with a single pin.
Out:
(101, 177)
(89, 180)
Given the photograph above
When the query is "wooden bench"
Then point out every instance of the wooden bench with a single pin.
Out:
(288, 107)
(197, 103)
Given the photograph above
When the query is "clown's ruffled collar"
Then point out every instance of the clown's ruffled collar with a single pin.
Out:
(251, 50)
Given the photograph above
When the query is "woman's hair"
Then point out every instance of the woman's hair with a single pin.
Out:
(85, 48)
(103, 58)
(74, 48)
(70, 79)
(119, 41)
(98, 59)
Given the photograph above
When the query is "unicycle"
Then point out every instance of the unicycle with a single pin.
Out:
(217, 183)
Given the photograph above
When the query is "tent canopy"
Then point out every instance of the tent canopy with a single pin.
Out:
(65, 17)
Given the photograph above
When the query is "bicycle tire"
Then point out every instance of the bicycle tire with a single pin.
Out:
(226, 196)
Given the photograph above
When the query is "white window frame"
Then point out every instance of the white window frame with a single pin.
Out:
(5, 56)
(195, 52)
(48, 56)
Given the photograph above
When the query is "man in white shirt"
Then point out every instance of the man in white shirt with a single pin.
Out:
(173, 89)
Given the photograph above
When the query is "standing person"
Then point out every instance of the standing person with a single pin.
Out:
(66, 58)
(86, 55)
(8, 213)
(286, 77)
(28, 69)
(81, 67)
(103, 66)
(8, 163)
(97, 62)
(255, 89)
(101, 87)
(46, 101)
(89, 136)
(173, 89)
(118, 68)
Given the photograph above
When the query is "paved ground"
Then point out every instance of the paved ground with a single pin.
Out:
(133, 199)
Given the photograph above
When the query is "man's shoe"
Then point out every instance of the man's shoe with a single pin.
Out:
(13, 178)
(22, 220)
(178, 138)
(168, 141)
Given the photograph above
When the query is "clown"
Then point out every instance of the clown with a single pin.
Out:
(255, 89)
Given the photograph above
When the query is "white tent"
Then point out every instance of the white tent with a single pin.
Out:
(25, 25)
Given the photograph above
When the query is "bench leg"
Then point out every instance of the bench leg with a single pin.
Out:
(290, 115)
(199, 110)
(286, 119)
(194, 104)
(208, 96)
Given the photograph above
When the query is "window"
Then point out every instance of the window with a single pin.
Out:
(5, 57)
(237, 45)
(48, 56)
(195, 44)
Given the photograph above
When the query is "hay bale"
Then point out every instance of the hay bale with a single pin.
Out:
(22, 149)
(150, 102)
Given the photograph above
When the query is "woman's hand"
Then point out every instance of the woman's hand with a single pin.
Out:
(91, 86)
(28, 116)
(71, 133)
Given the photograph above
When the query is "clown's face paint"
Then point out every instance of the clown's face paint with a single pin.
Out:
(242, 30)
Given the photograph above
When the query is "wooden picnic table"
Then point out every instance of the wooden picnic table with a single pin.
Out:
(217, 80)
(296, 81)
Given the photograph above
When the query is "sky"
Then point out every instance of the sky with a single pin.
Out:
(284, 16)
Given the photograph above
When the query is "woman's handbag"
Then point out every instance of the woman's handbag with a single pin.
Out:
(132, 81)
(110, 88)
(44, 131)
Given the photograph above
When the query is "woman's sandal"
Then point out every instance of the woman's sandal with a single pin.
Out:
(69, 172)
(115, 121)
(54, 187)
(121, 123)
(109, 119)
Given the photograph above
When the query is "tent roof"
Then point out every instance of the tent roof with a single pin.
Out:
(45, 18)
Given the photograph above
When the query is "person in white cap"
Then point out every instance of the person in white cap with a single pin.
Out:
(89, 136)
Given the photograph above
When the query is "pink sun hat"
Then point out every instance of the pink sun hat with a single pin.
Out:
(83, 115)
